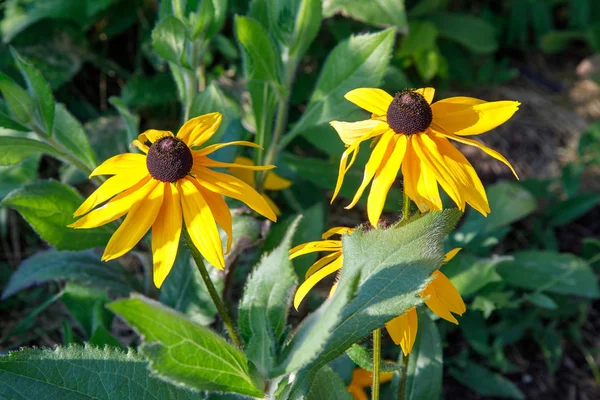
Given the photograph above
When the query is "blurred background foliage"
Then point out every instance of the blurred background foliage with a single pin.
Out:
(528, 272)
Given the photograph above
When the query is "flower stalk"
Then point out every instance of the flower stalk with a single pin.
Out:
(376, 363)
(403, 374)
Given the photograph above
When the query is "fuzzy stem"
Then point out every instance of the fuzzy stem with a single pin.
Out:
(403, 370)
(376, 362)
(405, 206)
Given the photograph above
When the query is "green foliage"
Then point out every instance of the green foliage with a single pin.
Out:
(328, 386)
(77, 372)
(19, 103)
(168, 39)
(485, 382)
(16, 149)
(377, 12)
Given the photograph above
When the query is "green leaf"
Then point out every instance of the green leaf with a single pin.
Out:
(218, 17)
(425, 365)
(9, 123)
(472, 32)
(572, 208)
(15, 176)
(374, 12)
(15, 149)
(132, 122)
(142, 90)
(168, 39)
(364, 359)
(69, 132)
(428, 63)
(549, 341)
(469, 273)
(83, 267)
(541, 300)
(39, 90)
(80, 373)
(184, 352)
(311, 228)
(421, 37)
(551, 272)
(485, 382)
(20, 104)
(327, 385)
(359, 61)
(476, 332)
(48, 206)
(212, 99)
(306, 27)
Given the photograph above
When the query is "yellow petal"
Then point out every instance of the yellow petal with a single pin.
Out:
(121, 163)
(244, 174)
(461, 116)
(313, 247)
(113, 186)
(316, 278)
(152, 135)
(139, 219)
(336, 230)
(233, 187)
(427, 187)
(320, 263)
(358, 393)
(272, 204)
(350, 132)
(141, 146)
(384, 178)
(220, 211)
(443, 299)
(166, 232)
(200, 223)
(118, 206)
(428, 93)
(450, 255)
(345, 166)
(490, 152)
(362, 378)
(276, 182)
(403, 330)
(383, 150)
(207, 162)
(214, 147)
(198, 130)
(373, 100)
(419, 183)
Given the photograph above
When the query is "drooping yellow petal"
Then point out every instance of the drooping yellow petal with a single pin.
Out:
(382, 150)
(207, 162)
(200, 223)
(198, 130)
(320, 263)
(121, 163)
(357, 392)
(166, 232)
(315, 278)
(233, 187)
(243, 173)
(427, 92)
(220, 211)
(403, 330)
(141, 146)
(152, 135)
(316, 246)
(361, 378)
(384, 178)
(276, 182)
(336, 230)
(490, 152)
(214, 147)
(427, 187)
(450, 255)
(345, 166)
(373, 100)
(139, 219)
(118, 206)
(350, 132)
(113, 186)
(457, 116)
(272, 204)
(443, 299)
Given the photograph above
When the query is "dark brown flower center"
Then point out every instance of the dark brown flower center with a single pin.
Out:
(409, 113)
(169, 159)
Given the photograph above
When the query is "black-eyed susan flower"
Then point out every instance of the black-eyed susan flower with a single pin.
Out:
(442, 298)
(169, 184)
(273, 182)
(411, 133)
(362, 379)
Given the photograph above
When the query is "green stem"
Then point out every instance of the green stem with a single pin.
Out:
(223, 312)
(403, 374)
(376, 362)
(405, 206)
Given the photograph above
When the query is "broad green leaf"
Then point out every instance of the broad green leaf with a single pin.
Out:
(15, 176)
(15, 149)
(469, 273)
(306, 27)
(184, 352)
(142, 90)
(541, 300)
(475, 330)
(572, 208)
(203, 19)
(421, 37)
(327, 385)
(48, 206)
(359, 61)
(374, 12)
(80, 373)
(485, 382)
(472, 32)
(218, 17)
(69, 132)
(39, 90)
(83, 267)
(20, 104)
(364, 359)
(425, 365)
(263, 313)
(8, 123)
(551, 272)
(210, 100)
(168, 39)
(428, 63)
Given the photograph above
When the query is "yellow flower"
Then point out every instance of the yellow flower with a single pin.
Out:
(442, 298)
(272, 181)
(412, 134)
(361, 379)
(169, 184)
(324, 266)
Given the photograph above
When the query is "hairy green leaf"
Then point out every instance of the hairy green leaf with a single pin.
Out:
(374, 12)
(327, 385)
(15, 149)
(69, 132)
(475, 33)
(486, 382)
(168, 39)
